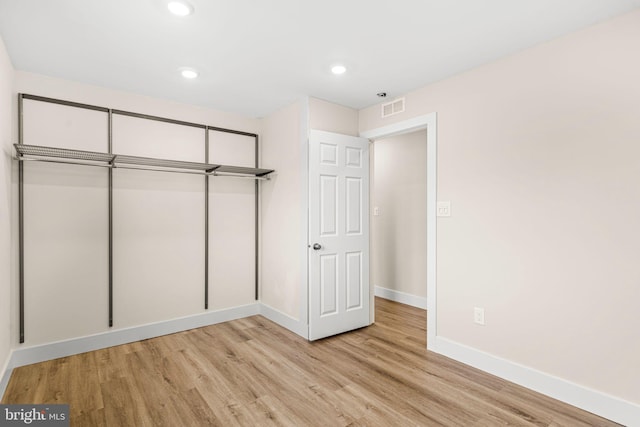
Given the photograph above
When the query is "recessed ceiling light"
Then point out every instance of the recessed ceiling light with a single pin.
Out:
(189, 73)
(180, 8)
(338, 69)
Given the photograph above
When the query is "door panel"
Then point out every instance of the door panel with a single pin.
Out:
(328, 284)
(328, 205)
(354, 280)
(339, 229)
(354, 206)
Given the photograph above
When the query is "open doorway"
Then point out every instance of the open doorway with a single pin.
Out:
(398, 218)
(428, 123)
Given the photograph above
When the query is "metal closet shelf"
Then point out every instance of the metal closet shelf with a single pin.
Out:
(92, 158)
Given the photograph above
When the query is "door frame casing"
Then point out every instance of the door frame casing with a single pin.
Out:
(428, 122)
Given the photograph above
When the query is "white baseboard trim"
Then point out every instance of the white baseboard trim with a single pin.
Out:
(5, 374)
(284, 320)
(40, 353)
(402, 297)
(604, 405)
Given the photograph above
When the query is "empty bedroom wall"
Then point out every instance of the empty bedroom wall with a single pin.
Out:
(538, 154)
(398, 218)
(281, 197)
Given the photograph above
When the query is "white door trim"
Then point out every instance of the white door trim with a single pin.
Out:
(428, 122)
(303, 315)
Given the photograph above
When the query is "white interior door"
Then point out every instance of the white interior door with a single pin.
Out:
(338, 233)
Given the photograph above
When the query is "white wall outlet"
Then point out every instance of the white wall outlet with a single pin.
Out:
(376, 211)
(478, 315)
(443, 208)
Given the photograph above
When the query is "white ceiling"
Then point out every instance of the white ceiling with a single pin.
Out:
(255, 56)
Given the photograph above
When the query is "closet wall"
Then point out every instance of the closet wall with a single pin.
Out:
(6, 126)
(66, 227)
(232, 234)
(158, 217)
(158, 226)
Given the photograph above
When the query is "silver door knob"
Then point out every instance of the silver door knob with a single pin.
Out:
(317, 246)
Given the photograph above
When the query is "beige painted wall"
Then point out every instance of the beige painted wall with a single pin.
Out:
(6, 151)
(330, 117)
(66, 227)
(538, 154)
(158, 227)
(158, 217)
(399, 231)
(231, 223)
(281, 238)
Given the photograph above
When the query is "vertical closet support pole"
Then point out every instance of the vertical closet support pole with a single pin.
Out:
(206, 221)
(110, 172)
(257, 224)
(21, 221)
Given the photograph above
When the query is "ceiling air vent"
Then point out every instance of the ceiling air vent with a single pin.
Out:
(394, 107)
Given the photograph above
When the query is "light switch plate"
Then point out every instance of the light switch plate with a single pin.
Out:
(376, 211)
(478, 315)
(443, 208)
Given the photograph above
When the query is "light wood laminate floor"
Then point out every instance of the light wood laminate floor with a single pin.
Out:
(251, 372)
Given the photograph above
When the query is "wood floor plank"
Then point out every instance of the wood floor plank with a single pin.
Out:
(252, 372)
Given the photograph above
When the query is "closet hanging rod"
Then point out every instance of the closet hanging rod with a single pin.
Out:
(107, 166)
(117, 161)
(235, 175)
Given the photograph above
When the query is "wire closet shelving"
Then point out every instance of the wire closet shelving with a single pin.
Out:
(92, 158)
(113, 161)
